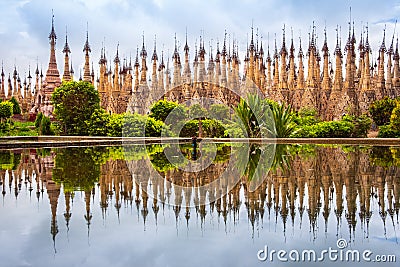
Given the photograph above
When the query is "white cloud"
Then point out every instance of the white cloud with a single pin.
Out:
(124, 21)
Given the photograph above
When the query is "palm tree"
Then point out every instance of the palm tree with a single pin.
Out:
(253, 116)
(284, 120)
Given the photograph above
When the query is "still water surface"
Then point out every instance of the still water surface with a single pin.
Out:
(94, 206)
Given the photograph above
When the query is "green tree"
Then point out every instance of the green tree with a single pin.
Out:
(254, 117)
(161, 109)
(6, 110)
(197, 111)
(98, 123)
(381, 110)
(74, 103)
(81, 174)
(45, 126)
(284, 120)
(395, 118)
(16, 107)
(38, 120)
(362, 124)
(219, 112)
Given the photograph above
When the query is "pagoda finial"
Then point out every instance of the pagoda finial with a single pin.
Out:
(268, 55)
(52, 35)
(116, 59)
(390, 51)
(300, 48)
(86, 48)
(383, 46)
(155, 57)
(252, 37)
(283, 49)
(143, 53)
(224, 46)
(186, 47)
(325, 46)
(137, 57)
(367, 48)
(66, 46)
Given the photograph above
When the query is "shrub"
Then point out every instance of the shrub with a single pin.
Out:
(219, 112)
(326, 129)
(45, 126)
(16, 107)
(381, 110)
(362, 124)
(38, 120)
(387, 131)
(197, 111)
(74, 103)
(161, 109)
(395, 117)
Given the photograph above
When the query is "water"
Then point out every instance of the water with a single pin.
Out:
(94, 206)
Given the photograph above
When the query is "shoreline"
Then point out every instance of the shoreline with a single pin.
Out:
(12, 142)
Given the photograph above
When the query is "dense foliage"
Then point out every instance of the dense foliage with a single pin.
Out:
(381, 110)
(197, 111)
(386, 114)
(74, 103)
(126, 124)
(43, 125)
(253, 116)
(210, 128)
(161, 109)
(76, 174)
(219, 112)
(16, 107)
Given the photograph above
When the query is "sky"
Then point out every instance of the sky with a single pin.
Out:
(25, 25)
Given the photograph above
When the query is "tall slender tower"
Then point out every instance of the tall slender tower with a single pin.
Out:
(143, 73)
(52, 80)
(86, 68)
(52, 74)
(66, 51)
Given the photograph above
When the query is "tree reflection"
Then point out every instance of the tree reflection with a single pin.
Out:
(76, 168)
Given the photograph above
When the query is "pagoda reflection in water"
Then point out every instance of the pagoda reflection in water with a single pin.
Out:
(355, 185)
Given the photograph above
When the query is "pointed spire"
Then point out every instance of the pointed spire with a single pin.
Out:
(366, 46)
(390, 51)
(186, 47)
(300, 48)
(252, 38)
(325, 46)
(162, 65)
(268, 54)
(36, 71)
(283, 49)
(86, 47)
(338, 51)
(29, 72)
(383, 46)
(66, 46)
(116, 59)
(176, 53)
(52, 35)
(224, 46)
(155, 57)
(143, 52)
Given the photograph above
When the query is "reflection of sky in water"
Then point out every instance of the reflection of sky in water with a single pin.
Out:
(25, 238)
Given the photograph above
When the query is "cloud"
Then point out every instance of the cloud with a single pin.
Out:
(111, 22)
